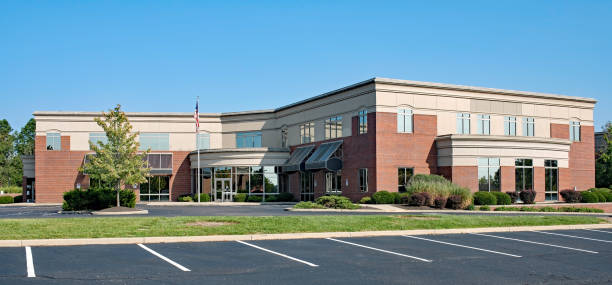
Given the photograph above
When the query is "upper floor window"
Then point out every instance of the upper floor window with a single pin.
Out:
(574, 131)
(159, 160)
(248, 139)
(528, 127)
(307, 133)
(333, 127)
(404, 121)
(363, 121)
(203, 141)
(510, 126)
(463, 123)
(94, 138)
(284, 138)
(54, 141)
(154, 141)
(489, 174)
(484, 124)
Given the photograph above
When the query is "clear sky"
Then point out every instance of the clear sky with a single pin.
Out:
(249, 55)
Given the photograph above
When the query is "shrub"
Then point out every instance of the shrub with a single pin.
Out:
(605, 192)
(383, 197)
(429, 178)
(271, 198)
(484, 208)
(184, 198)
(454, 202)
(440, 202)
(589, 197)
(204, 197)
(18, 199)
(404, 198)
(11, 189)
(417, 199)
(6, 200)
(285, 197)
(308, 205)
(470, 207)
(438, 186)
(550, 209)
(97, 199)
(484, 198)
(580, 209)
(571, 196)
(240, 197)
(254, 198)
(365, 200)
(513, 196)
(502, 198)
(397, 197)
(528, 196)
(547, 209)
(336, 202)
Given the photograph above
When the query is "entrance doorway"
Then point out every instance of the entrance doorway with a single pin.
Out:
(223, 189)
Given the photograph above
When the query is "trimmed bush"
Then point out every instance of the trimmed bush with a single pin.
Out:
(97, 199)
(18, 199)
(6, 199)
(454, 202)
(513, 196)
(502, 198)
(484, 198)
(470, 207)
(383, 197)
(204, 197)
(417, 199)
(336, 202)
(397, 197)
(405, 198)
(528, 196)
(440, 202)
(271, 198)
(240, 197)
(571, 196)
(254, 198)
(484, 208)
(365, 200)
(285, 197)
(604, 194)
(184, 198)
(589, 197)
(308, 205)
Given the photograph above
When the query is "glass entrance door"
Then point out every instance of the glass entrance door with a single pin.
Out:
(223, 188)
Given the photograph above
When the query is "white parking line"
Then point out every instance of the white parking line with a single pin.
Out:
(563, 235)
(278, 253)
(598, 231)
(534, 242)
(465, 246)
(30, 262)
(381, 250)
(164, 258)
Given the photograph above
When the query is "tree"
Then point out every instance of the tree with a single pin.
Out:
(117, 161)
(24, 140)
(7, 155)
(603, 163)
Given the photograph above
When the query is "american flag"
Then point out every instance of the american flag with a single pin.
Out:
(196, 116)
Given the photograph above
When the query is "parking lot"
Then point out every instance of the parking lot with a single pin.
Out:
(551, 257)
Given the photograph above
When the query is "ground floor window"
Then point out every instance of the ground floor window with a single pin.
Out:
(551, 183)
(523, 174)
(306, 186)
(157, 188)
(363, 179)
(403, 177)
(224, 182)
(333, 182)
(489, 174)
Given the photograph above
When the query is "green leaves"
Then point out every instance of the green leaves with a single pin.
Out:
(603, 164)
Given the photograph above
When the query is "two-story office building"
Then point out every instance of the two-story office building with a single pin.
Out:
(354, 141)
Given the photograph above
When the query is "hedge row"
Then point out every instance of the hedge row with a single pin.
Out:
(97, 199)
(328, 202)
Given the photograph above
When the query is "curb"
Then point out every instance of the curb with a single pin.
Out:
(211, 204)
(102, 213)
(475, 212)
(137, 240)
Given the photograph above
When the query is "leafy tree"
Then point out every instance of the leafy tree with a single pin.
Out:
(24, 140)
(7, 155)
(603, 164)
(117, 161)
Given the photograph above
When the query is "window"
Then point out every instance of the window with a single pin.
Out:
(528, 127)
(403, 177)
(333, 182)
(333, 127)
(404, 121)
(484, 124)
(284, 138)
(203, 141)
(489, 175)
(54, 141)
(510, 126)
(154, 141)
(159, 161)
(551, 183)
(307, 133)
(157, 188)
(94, 138)
(248, 139)
(363, 179)
(463, 123)
(523, 174)
(363, 121)
(574, 131)
(306, 186)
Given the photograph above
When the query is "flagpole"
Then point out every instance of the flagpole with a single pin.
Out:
(198, 146)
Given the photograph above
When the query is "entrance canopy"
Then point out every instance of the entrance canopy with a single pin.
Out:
(297, 160)
(324, 157)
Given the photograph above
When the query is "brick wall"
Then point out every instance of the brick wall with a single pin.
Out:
(581, 157)
(508, 181)
(466, 176)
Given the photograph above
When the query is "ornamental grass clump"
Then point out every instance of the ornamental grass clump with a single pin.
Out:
(437, 186)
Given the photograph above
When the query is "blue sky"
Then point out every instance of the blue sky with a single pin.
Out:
(247, 55)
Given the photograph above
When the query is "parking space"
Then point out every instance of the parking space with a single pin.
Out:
(554, 257)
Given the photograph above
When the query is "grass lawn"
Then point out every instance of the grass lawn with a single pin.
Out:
(192, 226)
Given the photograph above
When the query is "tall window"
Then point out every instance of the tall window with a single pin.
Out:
(489, 174)
(574, 131)
(154, 141)
(333, 182)
(403, 177)
(528, 127)
(248, 139)
(204, 141)
(54, 141)
(510, 126)
(307, 134)
(551, 183)
(484, 124)
(404, 121)
(523, 174)
(306, 186)
(363, 121)
(363, 179)
(284, 138)
(463, 123)
(94, 138)
(333, 127)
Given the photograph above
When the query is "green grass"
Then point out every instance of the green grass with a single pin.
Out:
(550, 209)
(11, 189)
(178, 226)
